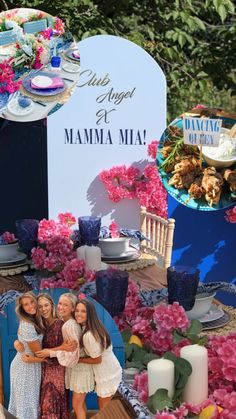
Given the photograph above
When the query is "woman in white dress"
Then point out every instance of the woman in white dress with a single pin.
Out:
(26, 377)
(72, 331)
(96, 342)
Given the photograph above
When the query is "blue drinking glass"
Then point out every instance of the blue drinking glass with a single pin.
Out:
(56, 61)
(89, 228)
(112, 286)
(27, 234)
(182, 282)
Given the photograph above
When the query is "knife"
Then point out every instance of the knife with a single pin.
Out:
(65, 78)
(39, 103)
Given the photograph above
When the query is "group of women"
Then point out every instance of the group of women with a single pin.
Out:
(57, 351)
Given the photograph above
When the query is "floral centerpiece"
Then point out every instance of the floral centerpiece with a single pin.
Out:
(30, 50)
(162, 331)
(130, 182)
(55, 258)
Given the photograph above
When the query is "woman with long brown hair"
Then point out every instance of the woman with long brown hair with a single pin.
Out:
(96, 342)
(54, 398)
(74, 372)
(25, 377)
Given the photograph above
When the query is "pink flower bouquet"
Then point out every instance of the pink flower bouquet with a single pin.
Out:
(55, 258)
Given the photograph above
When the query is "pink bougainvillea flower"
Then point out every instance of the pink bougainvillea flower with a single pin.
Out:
(47, 33)
(67, 218)
(114, 229)
(152, 149)
(7, 75)
(59, 26)
(200, 106)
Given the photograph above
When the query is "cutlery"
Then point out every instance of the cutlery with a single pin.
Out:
(65, 78)
(39, 103)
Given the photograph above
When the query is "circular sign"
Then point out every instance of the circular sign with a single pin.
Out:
(192, 178)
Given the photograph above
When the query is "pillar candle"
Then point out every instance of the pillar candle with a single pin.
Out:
(161, 374)
(93, 257)
(80, 252)
(196, 389)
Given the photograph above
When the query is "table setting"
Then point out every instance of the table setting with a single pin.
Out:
(160, 336)
(178, 325)
(41, 68)
(12, 260)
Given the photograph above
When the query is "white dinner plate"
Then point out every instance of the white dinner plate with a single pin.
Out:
(213, 314)
(15, 109)
(71, 67)
(42, 82)
(20, 257)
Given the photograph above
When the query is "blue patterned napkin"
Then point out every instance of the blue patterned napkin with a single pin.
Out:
(131, 396)
(127, 232)
(152, 297)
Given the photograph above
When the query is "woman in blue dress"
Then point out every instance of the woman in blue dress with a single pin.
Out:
(26, 377)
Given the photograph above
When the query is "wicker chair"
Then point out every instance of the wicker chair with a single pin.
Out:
(160, 233)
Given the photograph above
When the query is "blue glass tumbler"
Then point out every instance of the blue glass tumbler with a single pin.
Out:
(56, 62)
(112, 286)
(182, 282)
(27, 234)
(89, 228)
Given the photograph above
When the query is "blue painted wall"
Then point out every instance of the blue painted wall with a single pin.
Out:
(207, 241)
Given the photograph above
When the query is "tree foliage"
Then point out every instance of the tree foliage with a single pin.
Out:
(193, 41)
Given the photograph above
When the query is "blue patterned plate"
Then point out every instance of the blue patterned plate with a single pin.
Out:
(222, 321)
(3, 99)
(181, 195)
(42, 92)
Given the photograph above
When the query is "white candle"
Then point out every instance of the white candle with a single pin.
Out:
(80, 252)
(93, 257)
(161, 374)
(196, 389)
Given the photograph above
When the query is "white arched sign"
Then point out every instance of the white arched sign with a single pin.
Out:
(119, 106)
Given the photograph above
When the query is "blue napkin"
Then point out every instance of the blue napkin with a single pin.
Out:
(127, 232)
(132, 397)
(152, 297)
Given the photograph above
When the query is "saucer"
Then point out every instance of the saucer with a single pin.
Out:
(213, 314)
(15, 109)
(71, 67)
(222, 321)
(123, 257)
(19, 258)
